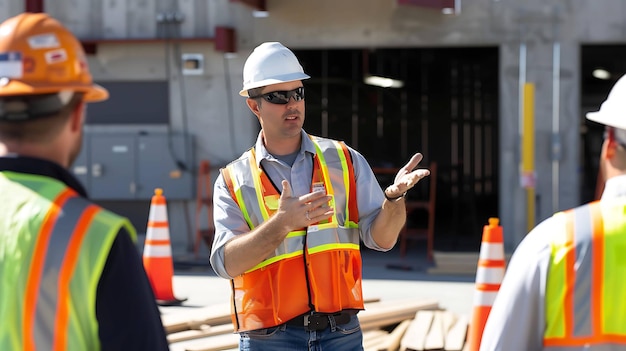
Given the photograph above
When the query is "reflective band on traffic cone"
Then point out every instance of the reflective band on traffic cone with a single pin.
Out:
(489, 276)
(157, 252)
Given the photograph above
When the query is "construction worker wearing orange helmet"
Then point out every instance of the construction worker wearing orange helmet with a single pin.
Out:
(564, 288)
(289, 216)
(70, 274)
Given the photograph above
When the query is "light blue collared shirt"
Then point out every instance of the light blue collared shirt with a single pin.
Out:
(229, 221)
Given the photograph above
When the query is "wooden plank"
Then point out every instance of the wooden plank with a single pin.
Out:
(449, 319)
(373, 337)
(202, 332)
(215, 343)
(415, 335)
(376, 344)
(370, 300)
(457, 335)
(435, 337)
(392, 343)
(391, 312)
(193, 319)
(373, 334)
(466, 347)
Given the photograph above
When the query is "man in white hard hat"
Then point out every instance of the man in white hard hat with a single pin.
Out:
(289, 216)
(564, 288)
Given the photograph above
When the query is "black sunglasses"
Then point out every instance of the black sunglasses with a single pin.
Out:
(282, 97)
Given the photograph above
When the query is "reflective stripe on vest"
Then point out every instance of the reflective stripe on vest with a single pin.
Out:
(238, 179)
(584, 293)
(275, 290)
(349, 185)
(64, 252)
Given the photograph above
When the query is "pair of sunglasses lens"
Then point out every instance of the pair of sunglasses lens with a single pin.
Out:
(282, 97)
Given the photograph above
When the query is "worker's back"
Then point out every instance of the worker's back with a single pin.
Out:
(564, 287)
(53, 247)
(586, 290)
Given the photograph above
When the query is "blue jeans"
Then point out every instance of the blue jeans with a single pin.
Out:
(345, 337)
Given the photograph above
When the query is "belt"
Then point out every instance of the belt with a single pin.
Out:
(320, 321)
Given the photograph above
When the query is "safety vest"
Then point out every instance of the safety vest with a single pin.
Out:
(53, 247)
(586, 286)
(316, 268)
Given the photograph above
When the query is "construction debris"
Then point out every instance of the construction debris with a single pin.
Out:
(399, 325)
(194, 319)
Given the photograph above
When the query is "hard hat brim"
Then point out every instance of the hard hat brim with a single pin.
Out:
(284, 79)
(93, 92)
(607, 119)
(96, 93)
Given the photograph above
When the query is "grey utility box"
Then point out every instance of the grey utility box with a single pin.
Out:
(130, 165)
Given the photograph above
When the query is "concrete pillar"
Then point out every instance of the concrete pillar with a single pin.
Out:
(557, 179)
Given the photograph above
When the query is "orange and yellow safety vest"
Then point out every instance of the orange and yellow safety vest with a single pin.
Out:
(53, 247)
(585, 292)
(315, 268)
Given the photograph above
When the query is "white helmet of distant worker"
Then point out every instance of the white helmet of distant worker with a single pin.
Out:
(270, 63)
(613, 110)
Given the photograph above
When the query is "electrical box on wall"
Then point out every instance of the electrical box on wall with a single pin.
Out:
(193, 64)
(129, 166)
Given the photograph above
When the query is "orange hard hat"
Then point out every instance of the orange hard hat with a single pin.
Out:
(38, 55)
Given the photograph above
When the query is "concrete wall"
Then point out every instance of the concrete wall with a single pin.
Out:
(10, 8)
(223, 126)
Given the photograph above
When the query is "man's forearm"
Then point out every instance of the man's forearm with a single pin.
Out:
(389, 222)
(247, 250)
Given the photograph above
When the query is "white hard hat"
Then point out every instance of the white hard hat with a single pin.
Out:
(270, 63)
(613, 110)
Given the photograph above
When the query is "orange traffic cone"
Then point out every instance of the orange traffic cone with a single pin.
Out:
(488, 279)
(157, 252)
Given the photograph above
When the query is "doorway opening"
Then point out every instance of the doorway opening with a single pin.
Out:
(601, 67)
(446, 108)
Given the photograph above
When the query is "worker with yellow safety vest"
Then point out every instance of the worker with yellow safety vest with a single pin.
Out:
(289, 216)
(564, 288)
(71, 277)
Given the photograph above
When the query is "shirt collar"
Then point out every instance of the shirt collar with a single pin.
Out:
(262, 153)
(615, 187)
(31, 165)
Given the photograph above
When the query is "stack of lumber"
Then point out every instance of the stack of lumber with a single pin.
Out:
(398, 325)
